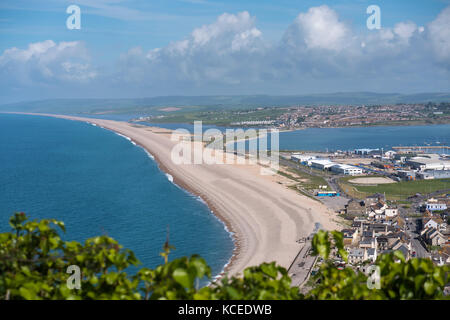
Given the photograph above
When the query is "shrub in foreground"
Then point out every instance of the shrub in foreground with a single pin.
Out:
(34, 260)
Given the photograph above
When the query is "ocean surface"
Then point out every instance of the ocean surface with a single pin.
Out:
(99, 183)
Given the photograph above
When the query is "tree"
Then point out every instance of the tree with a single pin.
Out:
(34, 260)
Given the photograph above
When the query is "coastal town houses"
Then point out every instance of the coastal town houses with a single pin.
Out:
(355, 208)
(366, 239)
(433, 237)
(436, 223)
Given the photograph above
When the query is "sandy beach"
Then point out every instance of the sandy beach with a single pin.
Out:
(265, 216)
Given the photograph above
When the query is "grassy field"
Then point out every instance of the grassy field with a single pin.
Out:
(395, 191)
(221, 117)
(306, 181)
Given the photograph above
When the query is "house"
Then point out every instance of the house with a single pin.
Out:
(371, 254)
(376, 208)
(369, 242)
(350, 236)
(356, 255)
(370, 200)
(382, 243)
(436, 223)
(433, 237)
(435, 206)
(355, 208)
(391, 212)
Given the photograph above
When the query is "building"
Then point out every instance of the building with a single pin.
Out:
(436, 223)
(356, 255)
(366, 151)
(322, 164)
(346, 169)
(434, 206)
(433, 237)
(434, 174)
(355, 208)
(302, 158)
(428, 162)
(391, 212)
(406, 174)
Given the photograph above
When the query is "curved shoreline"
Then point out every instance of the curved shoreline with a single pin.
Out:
(264, 217)
(186, 187)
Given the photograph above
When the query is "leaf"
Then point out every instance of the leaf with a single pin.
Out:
(269, 269)
(182, 277)
(429, 287)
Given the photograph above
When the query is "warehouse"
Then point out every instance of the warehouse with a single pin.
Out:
(434, 174)
(429, 162)
(346, 169)
(322, 164)
(302, 158)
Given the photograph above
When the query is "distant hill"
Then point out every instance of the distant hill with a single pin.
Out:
(217, 102)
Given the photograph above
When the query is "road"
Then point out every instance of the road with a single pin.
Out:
(302, 265)
(416, 244)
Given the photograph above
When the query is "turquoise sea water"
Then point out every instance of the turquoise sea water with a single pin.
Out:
(98, 182)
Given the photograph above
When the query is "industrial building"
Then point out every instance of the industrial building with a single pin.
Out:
(366, 151)
(434, 174)
(322, 164)
(302, 158)
(346, 169)
(428, 162)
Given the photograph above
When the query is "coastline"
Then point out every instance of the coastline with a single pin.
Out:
(264, 218)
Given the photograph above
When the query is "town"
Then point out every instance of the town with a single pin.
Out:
(306, 116)
(390, 200)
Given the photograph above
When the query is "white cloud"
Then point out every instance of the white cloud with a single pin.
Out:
(317, 53)
(46, 62)
(439, 36)
(217, 52)
(319, 28)
(405, 30)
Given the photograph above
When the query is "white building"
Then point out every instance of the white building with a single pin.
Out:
(322, 164)
(302, 158)
(429, 162)
(436, 206)
(391, 212)
(346, 169)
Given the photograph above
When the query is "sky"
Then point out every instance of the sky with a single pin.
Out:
(137, 48)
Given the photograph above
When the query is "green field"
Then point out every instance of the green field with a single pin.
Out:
(220, 117)
(395, 191)
(306, 181)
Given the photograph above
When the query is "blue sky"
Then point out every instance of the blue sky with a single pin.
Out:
(118, 38)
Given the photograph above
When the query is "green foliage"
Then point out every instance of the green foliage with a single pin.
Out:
(34, 260)
(264, 282)
(399, 279)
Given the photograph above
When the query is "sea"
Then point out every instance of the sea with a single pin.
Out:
(100, 183)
